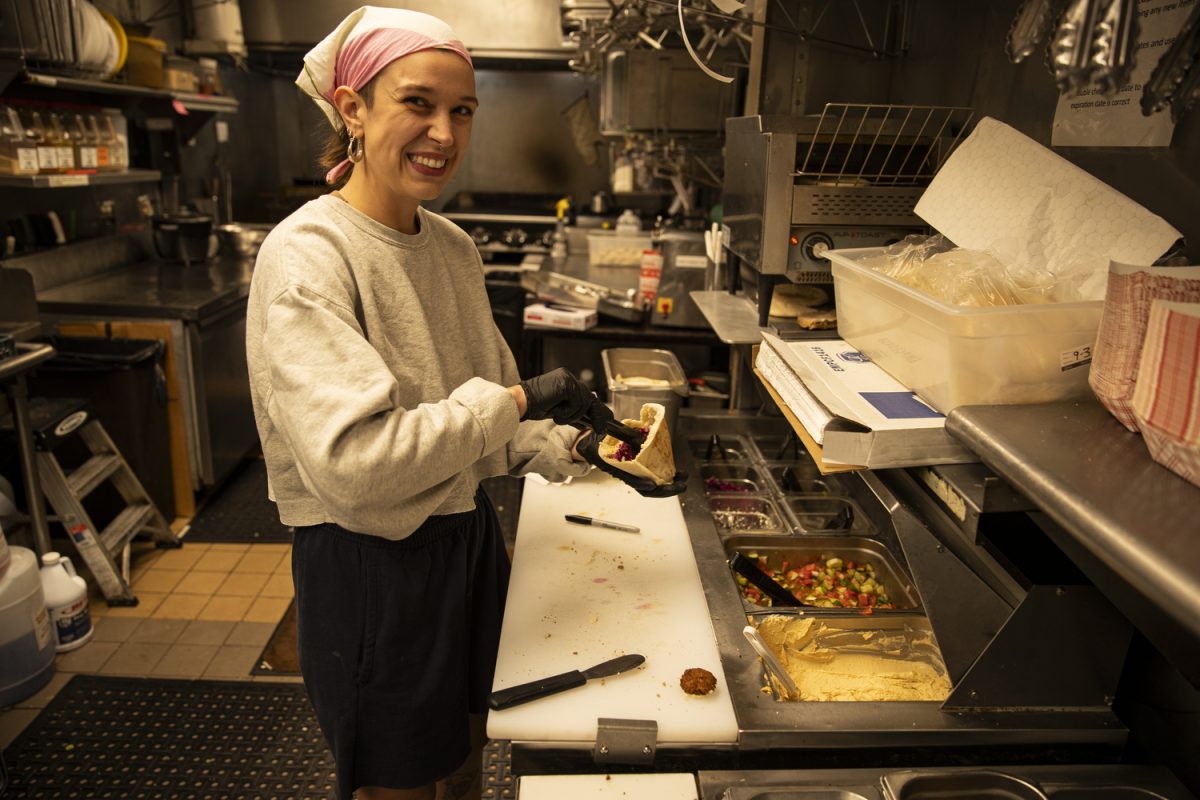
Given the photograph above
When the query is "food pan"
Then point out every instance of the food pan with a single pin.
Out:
(787, 473)
(802, 550)
(718, 448)
(802, 793)
(732, 478)
(811, 513)
(958, 785)
(783, 447)
(1082, 792)
(874, 658)
(740, 511)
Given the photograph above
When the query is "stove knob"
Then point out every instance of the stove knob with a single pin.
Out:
(514, 237)
(480, 235)
(547, 239)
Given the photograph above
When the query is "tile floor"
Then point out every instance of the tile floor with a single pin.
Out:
(204, 611)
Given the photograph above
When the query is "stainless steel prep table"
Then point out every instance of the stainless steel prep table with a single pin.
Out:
(774, 733)
(205, 307)
(1129, 523)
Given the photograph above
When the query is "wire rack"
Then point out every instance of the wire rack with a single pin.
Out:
(873, 144)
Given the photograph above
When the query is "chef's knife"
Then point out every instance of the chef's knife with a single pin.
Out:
(515, 695)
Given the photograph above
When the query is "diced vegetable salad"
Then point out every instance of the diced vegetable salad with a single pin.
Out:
(824, 583)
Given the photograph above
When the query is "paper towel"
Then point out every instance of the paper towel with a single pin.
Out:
(1004, 193)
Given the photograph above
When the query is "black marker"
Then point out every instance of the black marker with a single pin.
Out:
(579, 519)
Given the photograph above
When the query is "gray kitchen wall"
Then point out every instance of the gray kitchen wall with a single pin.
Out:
(520, 141)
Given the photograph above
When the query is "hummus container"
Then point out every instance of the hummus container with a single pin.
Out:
(856, 658)
(737, 511)
(722, 478)
(638, 375)
(797, 552)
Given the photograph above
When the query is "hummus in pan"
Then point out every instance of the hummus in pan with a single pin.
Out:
(864, 665)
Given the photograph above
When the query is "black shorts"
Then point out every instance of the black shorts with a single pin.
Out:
(397, 642)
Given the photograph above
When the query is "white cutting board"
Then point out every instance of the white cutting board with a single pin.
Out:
(581, 595)
(655, 786)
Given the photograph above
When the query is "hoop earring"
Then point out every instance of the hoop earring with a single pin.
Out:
(354, 150)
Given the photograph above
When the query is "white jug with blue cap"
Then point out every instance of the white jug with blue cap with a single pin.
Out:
(67, 601)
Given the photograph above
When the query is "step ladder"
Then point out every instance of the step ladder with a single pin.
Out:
(55, 420)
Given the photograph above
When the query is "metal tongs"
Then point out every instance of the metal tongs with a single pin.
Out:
(630, 436)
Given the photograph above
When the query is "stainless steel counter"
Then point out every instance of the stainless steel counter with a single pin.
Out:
(766, 723)
(154, 289)
(1129, 523)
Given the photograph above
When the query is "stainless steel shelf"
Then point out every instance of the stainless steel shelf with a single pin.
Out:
(98, 179)
(732, 316)
(190, 101)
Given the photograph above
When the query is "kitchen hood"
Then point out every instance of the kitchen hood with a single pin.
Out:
(510, 29)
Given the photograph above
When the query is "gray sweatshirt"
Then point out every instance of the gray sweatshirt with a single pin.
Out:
(378, 376)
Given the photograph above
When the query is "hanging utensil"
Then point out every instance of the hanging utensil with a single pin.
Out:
(523, 693)
(1028, 28)
(1175, 81)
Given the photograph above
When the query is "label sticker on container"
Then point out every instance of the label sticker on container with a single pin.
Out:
(1079, 357)
(41, 626)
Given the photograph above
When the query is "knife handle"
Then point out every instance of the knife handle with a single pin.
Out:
(515, 695)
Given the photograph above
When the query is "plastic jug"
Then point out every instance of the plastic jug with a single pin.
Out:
(26, 638)
(67, 601)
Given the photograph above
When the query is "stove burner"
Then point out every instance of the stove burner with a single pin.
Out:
(505, 223)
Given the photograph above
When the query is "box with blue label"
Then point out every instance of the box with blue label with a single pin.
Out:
(855, 412)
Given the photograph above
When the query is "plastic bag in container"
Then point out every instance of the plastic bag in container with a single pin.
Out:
(960, 277)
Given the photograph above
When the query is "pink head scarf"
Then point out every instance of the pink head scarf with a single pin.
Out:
(359, 47)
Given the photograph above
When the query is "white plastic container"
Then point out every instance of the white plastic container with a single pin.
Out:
(67, 601)
(26, 638)
(607, 249)
(952, 355)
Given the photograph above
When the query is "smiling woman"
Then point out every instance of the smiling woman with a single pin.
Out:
(384, 394)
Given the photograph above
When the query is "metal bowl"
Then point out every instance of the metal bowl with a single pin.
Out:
(240, 238)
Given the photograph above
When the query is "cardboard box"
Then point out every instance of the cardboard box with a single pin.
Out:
(857, 413)
(539, 315)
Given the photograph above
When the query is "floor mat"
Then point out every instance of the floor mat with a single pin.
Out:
(130, 738)
(279, 656)
(240, 511)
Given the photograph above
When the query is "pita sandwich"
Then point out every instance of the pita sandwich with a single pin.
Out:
(656, 459)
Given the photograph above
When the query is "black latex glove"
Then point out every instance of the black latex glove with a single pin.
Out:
(557, 395)
(589, 447)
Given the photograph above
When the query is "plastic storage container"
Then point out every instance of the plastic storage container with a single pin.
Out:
(612, 250)
(26, 638)
(953, 356)
(67, 601)
(629, 369)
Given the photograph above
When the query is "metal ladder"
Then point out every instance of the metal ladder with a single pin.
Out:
(65, 492)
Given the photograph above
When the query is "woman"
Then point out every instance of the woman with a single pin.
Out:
(383, 394)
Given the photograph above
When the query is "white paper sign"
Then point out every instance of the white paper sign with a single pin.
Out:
(1092, 120)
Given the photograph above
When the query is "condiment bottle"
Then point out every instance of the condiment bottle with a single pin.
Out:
(103, 159)
(118, 152)
(46, 154)
(18, 156)
(64, 143)
(85, 143)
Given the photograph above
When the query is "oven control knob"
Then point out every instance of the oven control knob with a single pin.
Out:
(514, 237)
(547, 239)
(480, 235)
(815, 245)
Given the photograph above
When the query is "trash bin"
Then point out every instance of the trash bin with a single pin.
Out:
(125, 381)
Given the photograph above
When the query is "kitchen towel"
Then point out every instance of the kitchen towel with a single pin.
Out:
(1036, 211)
(1118, 349)
(1166, 401)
